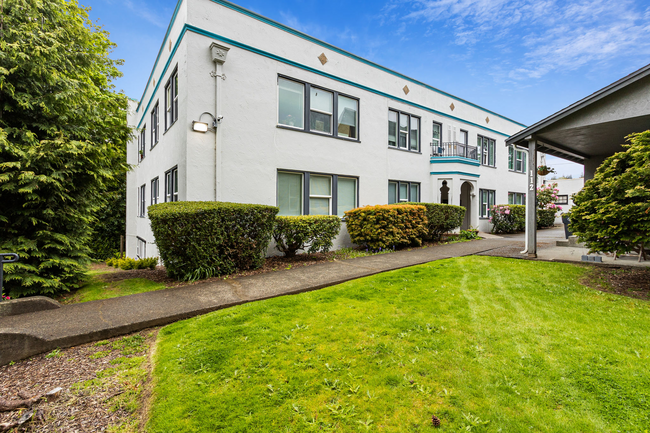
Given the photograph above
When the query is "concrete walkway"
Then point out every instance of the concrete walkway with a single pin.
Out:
(28, 334)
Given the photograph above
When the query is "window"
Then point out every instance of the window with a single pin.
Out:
(154, 126)
(487, 201)
(400, 191)
(463, 137)
(141, 248)
(155, 190)
(171, 100)
(403, 131)
(562, 199)
(171, 185)
(516, 159)
(324, 194)
(330, 113)
(487, 148)
(516, 198)
(141, 201)
(436, 140)
(141, 143)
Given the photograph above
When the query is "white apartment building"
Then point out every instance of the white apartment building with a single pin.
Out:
(240, 108)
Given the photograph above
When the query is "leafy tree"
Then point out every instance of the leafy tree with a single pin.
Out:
(62, 138)
(612, 212)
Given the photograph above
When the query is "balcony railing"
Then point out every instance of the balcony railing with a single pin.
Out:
(454, 149)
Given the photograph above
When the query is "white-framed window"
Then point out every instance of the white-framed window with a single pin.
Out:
(155, 190)
(403, 131)
(487, 199)
(171, 185)
(141, 248)
(516, 198)
(487, 147)
(304, 193)
(402, 191)
(142, 204)
(436, 138)
(562, 199)
(463, 138)
(517, 159)
(155, 125)
(329, 112)
(171, 100)
(142, 138)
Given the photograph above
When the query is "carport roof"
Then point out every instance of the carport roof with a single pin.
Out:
(595, 125)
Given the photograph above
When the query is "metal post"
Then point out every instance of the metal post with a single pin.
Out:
(5, 258)
(121, 246)
(531, 199)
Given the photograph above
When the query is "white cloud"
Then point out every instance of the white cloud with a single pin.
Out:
(142, 10)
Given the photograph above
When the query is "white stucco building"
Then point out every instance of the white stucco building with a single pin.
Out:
(295, 122)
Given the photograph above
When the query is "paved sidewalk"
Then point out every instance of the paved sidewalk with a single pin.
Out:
(32, 333)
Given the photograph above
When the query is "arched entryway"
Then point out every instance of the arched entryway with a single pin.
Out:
(466, 202)
(444, 193)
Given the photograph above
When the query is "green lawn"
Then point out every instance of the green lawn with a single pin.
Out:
(486, 344)
(95, 288)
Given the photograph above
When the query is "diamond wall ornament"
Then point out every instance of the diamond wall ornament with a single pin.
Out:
(452, 106)
(406, 90)
(487, 120)
(322, 58)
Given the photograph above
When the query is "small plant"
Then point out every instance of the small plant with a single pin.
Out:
(468, 235)
(6, 298)
(543, 170)
(128, 263)
(56, 353)
(313, 233)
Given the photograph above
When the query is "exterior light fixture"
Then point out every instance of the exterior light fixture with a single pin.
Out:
(199, 126)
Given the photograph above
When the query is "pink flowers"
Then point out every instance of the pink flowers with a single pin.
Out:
(6, 298)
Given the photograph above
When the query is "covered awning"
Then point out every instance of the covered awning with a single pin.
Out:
(586, 132)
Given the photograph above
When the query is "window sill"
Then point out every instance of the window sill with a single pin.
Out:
(320, 134)
(154, 145)
(405, 150)
(515, 171)
(488, 166)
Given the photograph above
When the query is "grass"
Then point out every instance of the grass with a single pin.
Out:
(95, 288)
(486, 344)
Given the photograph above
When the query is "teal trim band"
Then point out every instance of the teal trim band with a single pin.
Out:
(456, 172)
(287, 29)
(162, 46)
(459, 159)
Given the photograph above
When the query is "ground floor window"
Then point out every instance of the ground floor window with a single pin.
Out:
(487, 201)
(141, 248)
(400, 191)
(304, 193)
(141, 201)
(516, 198)
(171, 185)
(562, 199)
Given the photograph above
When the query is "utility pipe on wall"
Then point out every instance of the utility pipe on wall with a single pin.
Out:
(219, 54)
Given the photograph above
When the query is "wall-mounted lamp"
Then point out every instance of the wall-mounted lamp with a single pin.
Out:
(199, 126)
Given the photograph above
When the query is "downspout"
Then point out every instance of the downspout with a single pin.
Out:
(219, 54)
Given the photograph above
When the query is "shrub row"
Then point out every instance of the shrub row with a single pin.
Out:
(441, 218)
(200, 240)
(313, 233)
(511, 218)
(128, 263)
(387, 226)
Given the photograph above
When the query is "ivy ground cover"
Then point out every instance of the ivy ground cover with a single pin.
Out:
(485, 344)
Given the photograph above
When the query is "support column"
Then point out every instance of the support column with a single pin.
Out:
(531, 200)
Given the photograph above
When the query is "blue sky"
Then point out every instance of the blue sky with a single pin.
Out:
(524, 59)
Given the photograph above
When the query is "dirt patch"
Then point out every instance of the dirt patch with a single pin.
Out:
(632, 282)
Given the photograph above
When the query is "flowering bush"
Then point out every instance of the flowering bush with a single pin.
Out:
(503, 219)
(6, 298)
(546, 197)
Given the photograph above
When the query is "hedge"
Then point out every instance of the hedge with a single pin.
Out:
(515, 220)
(205, 239)
(128, 263)
(546, 217)
(387, 226)
(314, 233)
(441, 218)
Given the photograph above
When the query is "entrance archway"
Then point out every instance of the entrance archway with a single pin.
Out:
(466, 202)
(444, 193)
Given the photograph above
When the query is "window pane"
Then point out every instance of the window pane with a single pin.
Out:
(511, 198)
(347, 195)
(290, 193)
(320, 100)
(403, 129)
(415, 135)
(403, 191)
(415, 192)
(320, 185)
(319, 206)
(436, 134)
(463, 137)
(320, 122)
(291, 100)
(392, 128)
(347, 117)
(491, 150)
(510, 158)
(392, 192)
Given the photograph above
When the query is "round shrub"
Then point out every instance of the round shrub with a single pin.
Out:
(314, 233)
(545, 217)
(386, 226)
(441, 218)
(503, 219)
(205, 239)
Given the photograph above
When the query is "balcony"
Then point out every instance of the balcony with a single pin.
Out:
(454, 148)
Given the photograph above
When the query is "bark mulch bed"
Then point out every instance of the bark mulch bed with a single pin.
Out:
(625, 281)
(92, 399)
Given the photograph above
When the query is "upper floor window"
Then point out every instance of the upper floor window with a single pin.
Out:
(154, 125)
(516, 159)
(403, 131)
(171, 185)
(436, 139)
(487, 147)
(400, 191)
(323, 194)
(171, 100)
(155, 190)
(141, 143)
(141, 201)
(329, 112)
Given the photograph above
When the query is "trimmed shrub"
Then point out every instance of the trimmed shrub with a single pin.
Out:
(314, 233)
(441, 218)
(511, 218)
(386, 226)
(204, 239)
(545, 217)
